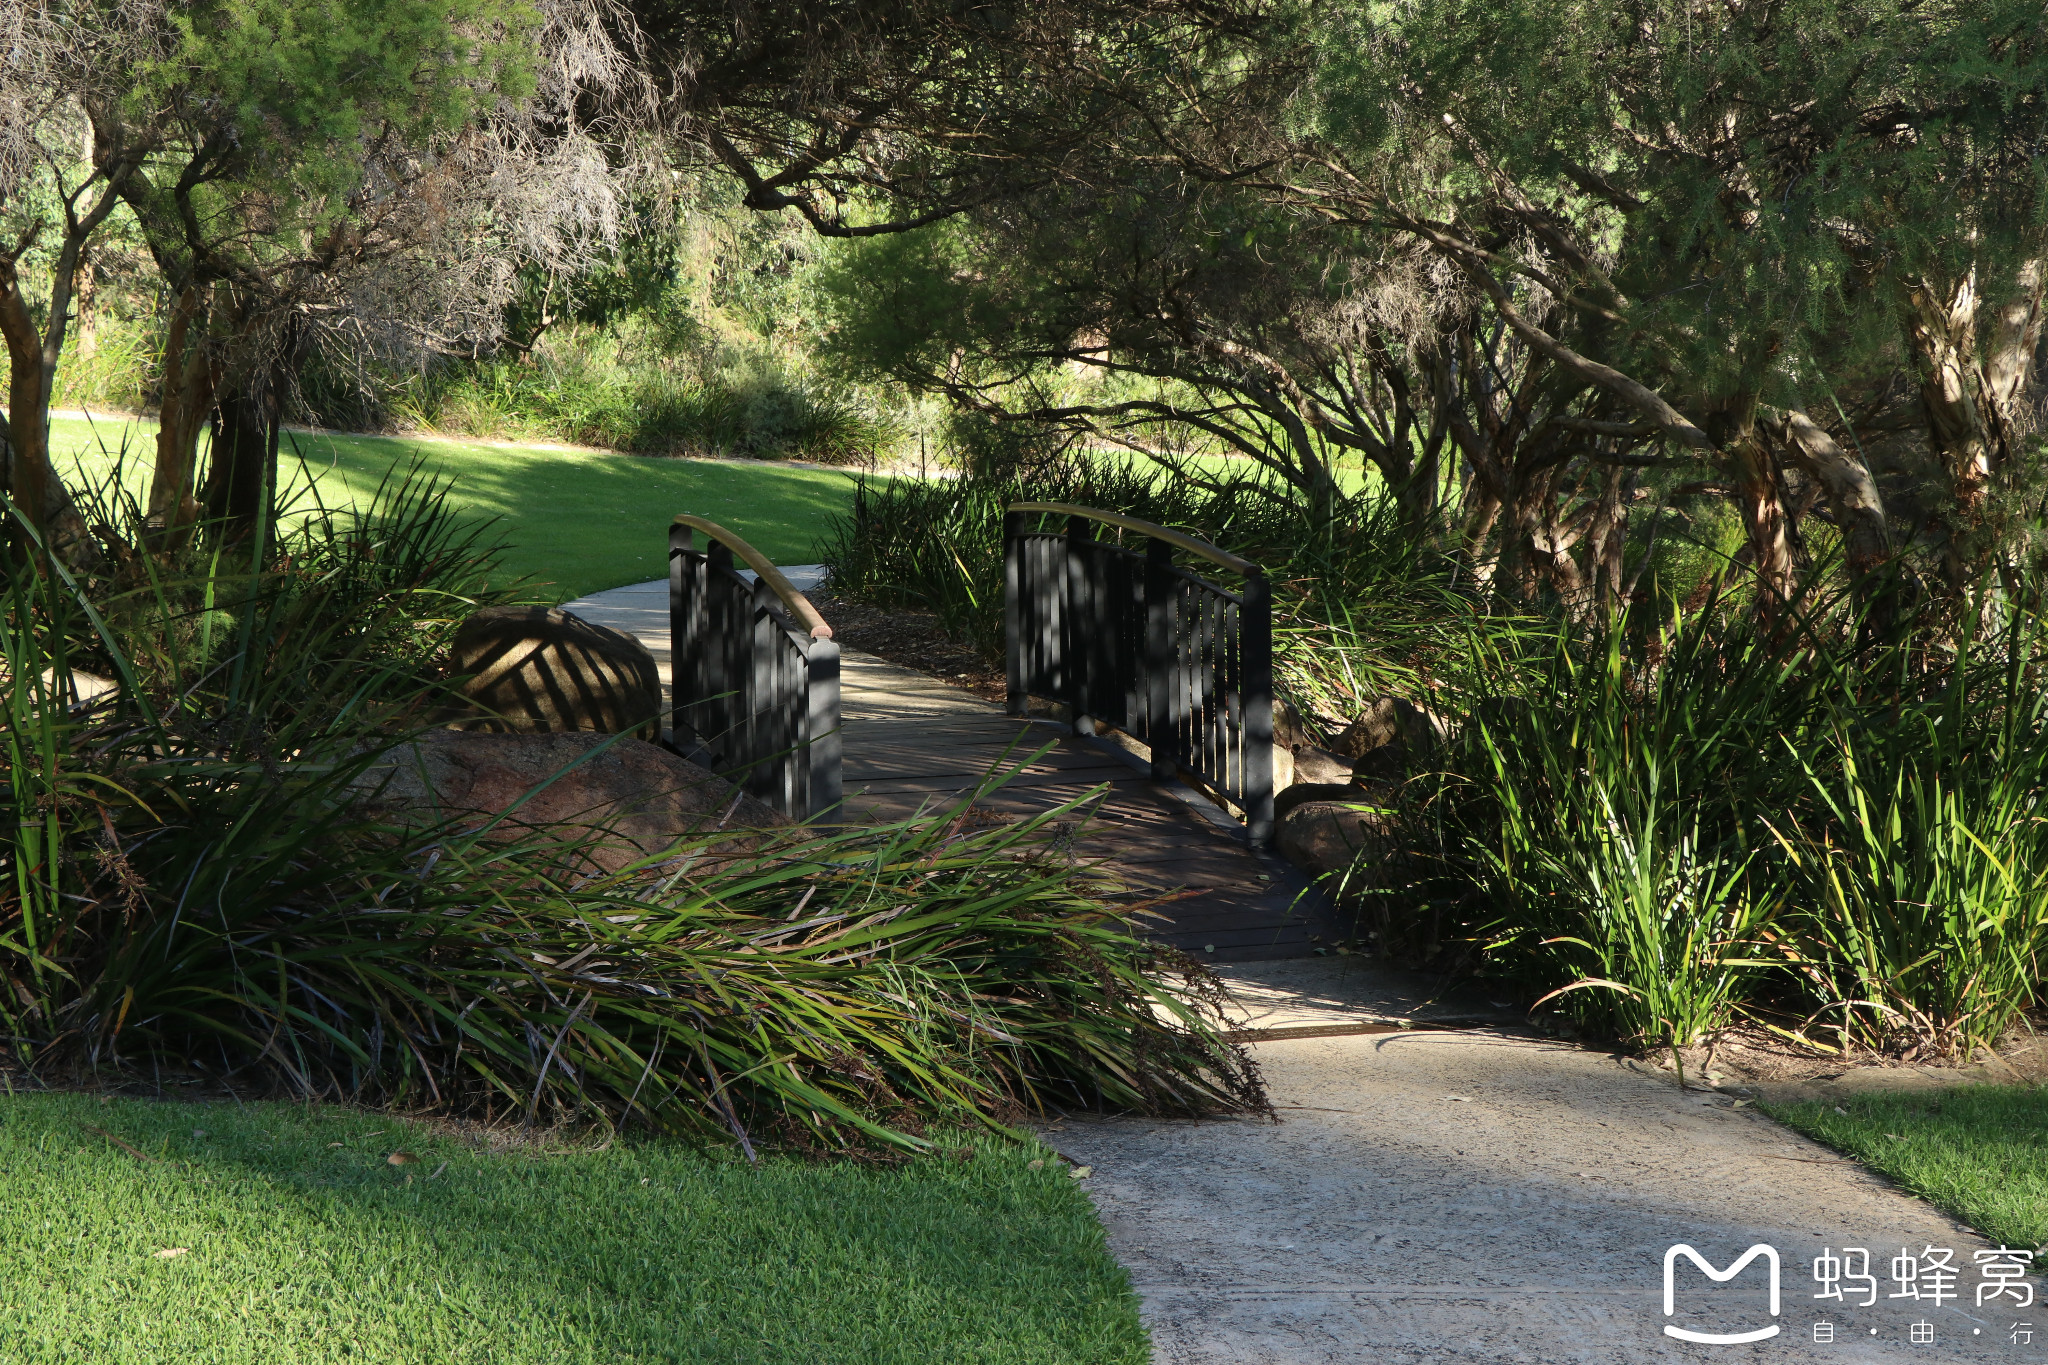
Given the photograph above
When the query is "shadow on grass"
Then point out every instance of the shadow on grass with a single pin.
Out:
(305, 1243)
(576, 522)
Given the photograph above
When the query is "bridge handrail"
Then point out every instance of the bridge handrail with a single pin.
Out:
(1180, 540)
(754, 690)
(1127, 637)
(795, 604)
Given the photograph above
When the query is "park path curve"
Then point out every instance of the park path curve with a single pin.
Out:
(1458, 1196)
(1429, 1195)
(911, 742)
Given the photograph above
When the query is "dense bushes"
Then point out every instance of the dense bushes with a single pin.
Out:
(1654, 825)
(1672, 828)
(192, 880)
(565, 391)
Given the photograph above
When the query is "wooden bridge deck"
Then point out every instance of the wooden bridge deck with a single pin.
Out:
(911, 743)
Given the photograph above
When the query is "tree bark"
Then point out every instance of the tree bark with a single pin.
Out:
(39, 495)
(1851, 490)
(1760, 497)
(1970, 385)
(188, 386)
(241, 481)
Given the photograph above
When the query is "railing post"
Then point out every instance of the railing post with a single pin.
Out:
(1076, 623)
(827, 789)
(764, 711)
(682, 642)
(1017, 700)
(1256, 623)
(1161, 730)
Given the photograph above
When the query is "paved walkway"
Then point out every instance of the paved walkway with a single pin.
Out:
(1429, 1196)
(911, 742)
(1478, 1196)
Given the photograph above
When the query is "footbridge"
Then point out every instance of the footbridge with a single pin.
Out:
(1140, 678)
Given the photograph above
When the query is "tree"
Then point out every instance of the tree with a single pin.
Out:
(295, 143)
(1722, 211)
(59, 182)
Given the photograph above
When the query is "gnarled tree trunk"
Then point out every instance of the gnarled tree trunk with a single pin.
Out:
(1851, 491)
(1972, 380)
(188, 384)
(1759, 489)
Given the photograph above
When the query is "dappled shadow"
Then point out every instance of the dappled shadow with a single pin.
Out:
(576, 521)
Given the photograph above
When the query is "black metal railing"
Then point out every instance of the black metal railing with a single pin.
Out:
(1130, 637)
(756, 672)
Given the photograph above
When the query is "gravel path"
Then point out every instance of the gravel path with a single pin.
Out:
(1480, 1196)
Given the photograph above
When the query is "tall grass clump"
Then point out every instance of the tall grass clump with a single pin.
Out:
(1809, 824)
(1601, 815)
(199, 880)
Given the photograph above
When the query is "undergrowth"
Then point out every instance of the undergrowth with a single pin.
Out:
(194, 877)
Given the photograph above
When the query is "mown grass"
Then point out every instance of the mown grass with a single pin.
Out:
(304, 1244)
(1979, 1152)
(574, 521)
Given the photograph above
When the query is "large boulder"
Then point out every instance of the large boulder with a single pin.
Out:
(1390, 738)
(537, 670)
(1326, 836)
(643, 796)
(1297, 758)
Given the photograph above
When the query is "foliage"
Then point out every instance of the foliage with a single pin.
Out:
(569, 390)
(530, 1248)
(1663, 830)
(194, 874)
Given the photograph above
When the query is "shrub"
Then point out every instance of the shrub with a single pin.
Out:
(1660, 831)
(191, 878)
(566, 391)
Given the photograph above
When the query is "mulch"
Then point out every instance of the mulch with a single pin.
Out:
(912, 639)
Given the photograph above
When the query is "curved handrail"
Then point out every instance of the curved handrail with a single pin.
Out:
(1237, 564)
(795, 603)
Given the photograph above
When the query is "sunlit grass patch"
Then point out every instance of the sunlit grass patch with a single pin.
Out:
(279, 1234)
(574, 521)
(1979, 1151)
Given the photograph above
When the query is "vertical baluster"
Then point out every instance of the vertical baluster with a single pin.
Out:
(1130, 642)
(683, 630)
(765, 778)
(1014, 668)
(1188, 748)
(789, 695)
(826, 787)
(720, 646)
(1219, 694)
(1256, 622)
(1233, 705)
(1075, 621)
(1161, 657)
(1205, 678)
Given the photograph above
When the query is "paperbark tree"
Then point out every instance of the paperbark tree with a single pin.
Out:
(1718, 211)
(59, 182)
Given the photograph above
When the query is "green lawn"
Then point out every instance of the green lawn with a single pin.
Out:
(1979, 1151)
(303, 1243)
(576, 521)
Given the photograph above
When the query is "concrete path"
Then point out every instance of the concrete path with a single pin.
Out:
(1451, 1196)
(1477, 1196)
